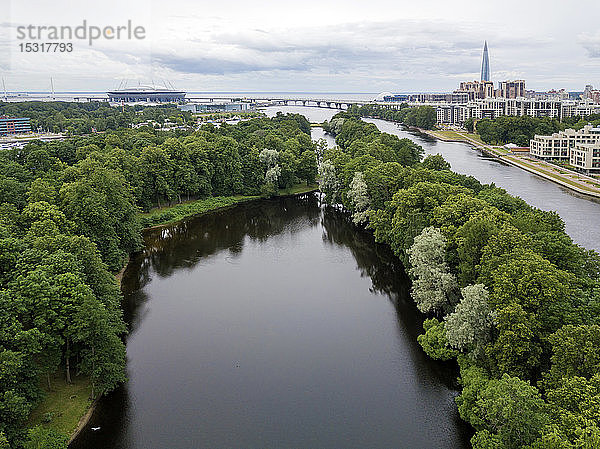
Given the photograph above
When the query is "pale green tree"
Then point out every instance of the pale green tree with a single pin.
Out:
(273, 174)
(469, 326)
(359, 197)
(269, 158)
(329, 183)
(434, 288)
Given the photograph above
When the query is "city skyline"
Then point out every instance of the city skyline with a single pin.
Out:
(315, 47)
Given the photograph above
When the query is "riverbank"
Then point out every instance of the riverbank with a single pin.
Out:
(171, 214)
(159, 217)
(578, 182)
(66, 407)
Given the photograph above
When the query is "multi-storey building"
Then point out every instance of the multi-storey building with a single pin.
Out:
(561, 145)
(9, 125)
(458, 113)
(460, 97)
(511, 89)
(476, 89)
(586, 157)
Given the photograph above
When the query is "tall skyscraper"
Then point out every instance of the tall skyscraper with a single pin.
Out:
(485, 64)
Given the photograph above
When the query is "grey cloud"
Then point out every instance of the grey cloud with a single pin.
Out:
(377, 52)
(399, 47)
(591, 42)
(217, 66)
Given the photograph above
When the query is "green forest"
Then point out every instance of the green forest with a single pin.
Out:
(84, 118)
(509, 298)
(424, 117)
(506, 292)
(69, 218)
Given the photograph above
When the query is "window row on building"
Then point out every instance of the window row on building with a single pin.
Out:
(9, 125)
(217, 107)
(491, 108)
(581, 148)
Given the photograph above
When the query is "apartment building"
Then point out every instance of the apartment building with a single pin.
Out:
(458, 113)
(586, 157)
(511, 89)
(561, 145)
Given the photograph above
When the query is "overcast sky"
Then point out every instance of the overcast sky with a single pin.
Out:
(309, 46)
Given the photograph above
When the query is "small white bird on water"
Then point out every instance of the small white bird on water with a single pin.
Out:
(95, 428)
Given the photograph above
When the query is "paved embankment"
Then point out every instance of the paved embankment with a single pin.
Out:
(575, 181)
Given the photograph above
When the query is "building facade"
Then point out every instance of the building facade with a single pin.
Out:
(200, 108)
(569, 145)
(476, 89)
(491, 108)
(9, 125)
(511, 89)
(586, 157)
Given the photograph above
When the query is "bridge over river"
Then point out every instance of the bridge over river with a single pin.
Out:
(288, 101)
(262, 101)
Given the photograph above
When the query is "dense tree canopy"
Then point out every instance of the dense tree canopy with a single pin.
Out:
(84, 118)
(424, 117)
(69, 218)
(505, 290)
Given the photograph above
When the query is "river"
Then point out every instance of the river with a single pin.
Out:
(277, 324)
(580, 213)
(274, 324)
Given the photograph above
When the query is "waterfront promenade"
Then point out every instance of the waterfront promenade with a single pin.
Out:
(568, 178)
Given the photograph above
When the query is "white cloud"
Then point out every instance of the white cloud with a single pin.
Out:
(313, 45)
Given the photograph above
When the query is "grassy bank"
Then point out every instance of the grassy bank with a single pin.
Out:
(63, 405)
(456, 136)
(547, 170)
(172, 214)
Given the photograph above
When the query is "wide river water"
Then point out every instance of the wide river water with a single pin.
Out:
(277, 324)
(274, 324)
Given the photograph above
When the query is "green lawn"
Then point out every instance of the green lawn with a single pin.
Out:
(172, 214)
(64, 405)
(299, 188)
(455, 135)
(552, 175)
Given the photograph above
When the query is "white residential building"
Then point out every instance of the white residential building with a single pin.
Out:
(561, 144)
(452, 113)
(586, 157)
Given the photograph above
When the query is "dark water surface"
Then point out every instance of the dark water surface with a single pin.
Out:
(273, 325)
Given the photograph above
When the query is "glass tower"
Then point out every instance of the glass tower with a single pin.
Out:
(485, 64)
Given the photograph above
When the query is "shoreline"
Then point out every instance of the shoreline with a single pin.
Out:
(555, 178)
(84, 420)
(230, 201)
